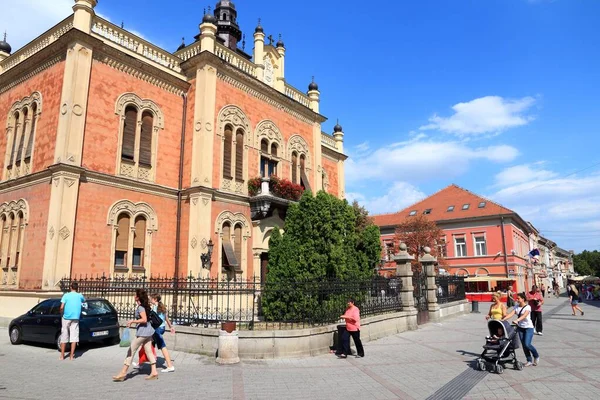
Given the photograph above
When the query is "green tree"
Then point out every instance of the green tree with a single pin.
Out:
(587, 262)
(321, 241)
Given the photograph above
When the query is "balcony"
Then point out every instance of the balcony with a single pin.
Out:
(268, 195)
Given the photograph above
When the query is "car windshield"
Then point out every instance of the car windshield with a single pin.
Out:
(96, 307)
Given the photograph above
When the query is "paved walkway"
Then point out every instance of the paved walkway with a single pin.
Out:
(434, 362)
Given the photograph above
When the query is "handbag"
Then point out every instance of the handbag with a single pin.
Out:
(155, 320)
(125, 338)
(144, 357)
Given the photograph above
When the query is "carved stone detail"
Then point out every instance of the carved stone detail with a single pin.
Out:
(142, 104)
(64, 232)
(298, 144)
(69, 182)
(194, 242)
(195, 200)
(15, 207)
(204, 243)
(233, 219)
(234, 116)
(205, 201)
(51, 232)
(133, 209)
(268, 130)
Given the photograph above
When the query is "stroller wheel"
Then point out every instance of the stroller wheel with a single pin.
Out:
(499, 369)
(481, 366)
(518, 365)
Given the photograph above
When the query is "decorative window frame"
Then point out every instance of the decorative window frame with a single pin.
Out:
(134, 210)
(299, 145)
(234, 116)
(267, 129)
(233, 219)
(133, 169)
(14, 131)
(476, 235)
(10, 273)
(460, 236)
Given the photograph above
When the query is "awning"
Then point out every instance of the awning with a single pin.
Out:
(487, 279)
(230, 259)
(577, 278)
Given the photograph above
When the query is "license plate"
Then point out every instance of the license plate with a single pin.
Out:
(100, 333)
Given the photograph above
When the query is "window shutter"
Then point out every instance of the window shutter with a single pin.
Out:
(128, 146)
(264, 146)
(227, 153)
(14, 144)
(22, 139)
(31, 135)
(239, 156)
(274, 150)
(237, 235)
(139, 239)
(146, 139)
(20, 231)
(122, 243)
(295, 168)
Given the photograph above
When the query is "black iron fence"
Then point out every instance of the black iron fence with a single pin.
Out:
(450, 288)
(253, 305)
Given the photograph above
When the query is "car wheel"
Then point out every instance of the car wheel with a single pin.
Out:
(15, 335)
(58, 341)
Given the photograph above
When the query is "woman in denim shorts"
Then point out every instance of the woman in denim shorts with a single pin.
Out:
(161, 310)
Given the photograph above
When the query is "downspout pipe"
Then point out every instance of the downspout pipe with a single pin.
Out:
(180, 187)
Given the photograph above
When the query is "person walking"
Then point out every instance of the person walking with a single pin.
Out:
(524, 329)
(536, 300)
(589, 292)
(70, 308)
(573, 294)
(159, 308)
(510, 301)
(144, 332)
(497, 309)
(352, 318)
(543, 289)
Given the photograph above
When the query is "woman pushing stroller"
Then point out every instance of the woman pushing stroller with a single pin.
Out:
(524, 328)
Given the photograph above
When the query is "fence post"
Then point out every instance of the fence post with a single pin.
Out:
(404, 273)
(428, 262)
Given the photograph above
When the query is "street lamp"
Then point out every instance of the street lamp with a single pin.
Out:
(206, 257)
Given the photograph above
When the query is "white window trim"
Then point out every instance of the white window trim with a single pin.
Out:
(10, 275)
(461, 236)
(234, 116)
(475, 243)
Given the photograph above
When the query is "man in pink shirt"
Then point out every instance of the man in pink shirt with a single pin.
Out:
(352, 317)
(536, 300)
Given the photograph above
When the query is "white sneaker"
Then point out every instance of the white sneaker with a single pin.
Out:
(536, 361)
(169, 369)
(135, 365)
(540, 333)
(528, 364)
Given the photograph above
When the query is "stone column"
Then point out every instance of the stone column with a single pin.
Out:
(404, 274)
(428, 263)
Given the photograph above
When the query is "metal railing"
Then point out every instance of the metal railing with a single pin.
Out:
(450, 288)
(206, 302)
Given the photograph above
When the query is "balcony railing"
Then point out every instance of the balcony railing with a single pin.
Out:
(297, 95)
(328, 141)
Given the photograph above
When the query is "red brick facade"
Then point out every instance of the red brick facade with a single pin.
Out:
(104, 194)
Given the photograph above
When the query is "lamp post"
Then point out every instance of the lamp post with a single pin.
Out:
(206, 258)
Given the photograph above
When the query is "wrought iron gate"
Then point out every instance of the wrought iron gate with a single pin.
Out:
(420, 295)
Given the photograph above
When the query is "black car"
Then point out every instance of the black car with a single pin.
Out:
(99, 323)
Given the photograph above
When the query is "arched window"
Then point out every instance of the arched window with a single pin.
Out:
(133, 225)
(121, 242)
(233, 229)
(268, 159)
(139, 242)
(141, 121)
(21, 126)
(227, 145)
(13, 219)
(295, 167)
(129, 128)
(239, 155)
(303, 178)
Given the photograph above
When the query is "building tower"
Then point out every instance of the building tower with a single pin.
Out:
(227, 28)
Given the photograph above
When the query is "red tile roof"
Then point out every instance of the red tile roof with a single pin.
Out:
(439, 202)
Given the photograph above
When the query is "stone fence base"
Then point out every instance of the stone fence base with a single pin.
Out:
(287, 343)
(449, 310)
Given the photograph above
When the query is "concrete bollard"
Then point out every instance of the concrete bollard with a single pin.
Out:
(228, 344)
(475, 307)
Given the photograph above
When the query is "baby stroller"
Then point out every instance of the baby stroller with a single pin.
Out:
(499, 348)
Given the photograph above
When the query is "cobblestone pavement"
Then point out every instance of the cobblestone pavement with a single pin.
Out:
(434, 362)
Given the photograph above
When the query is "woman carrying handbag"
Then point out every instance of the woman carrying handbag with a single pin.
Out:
(143, 336)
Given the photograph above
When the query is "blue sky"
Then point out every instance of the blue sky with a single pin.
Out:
(497, 96)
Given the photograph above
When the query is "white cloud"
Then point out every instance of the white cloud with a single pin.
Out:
(567, 208)
(24, 20)
(490, 114)
(522, 173)
(400, 195)
(422, 160)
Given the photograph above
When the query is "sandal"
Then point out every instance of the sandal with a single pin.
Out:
(119, 378)
(152, 377)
